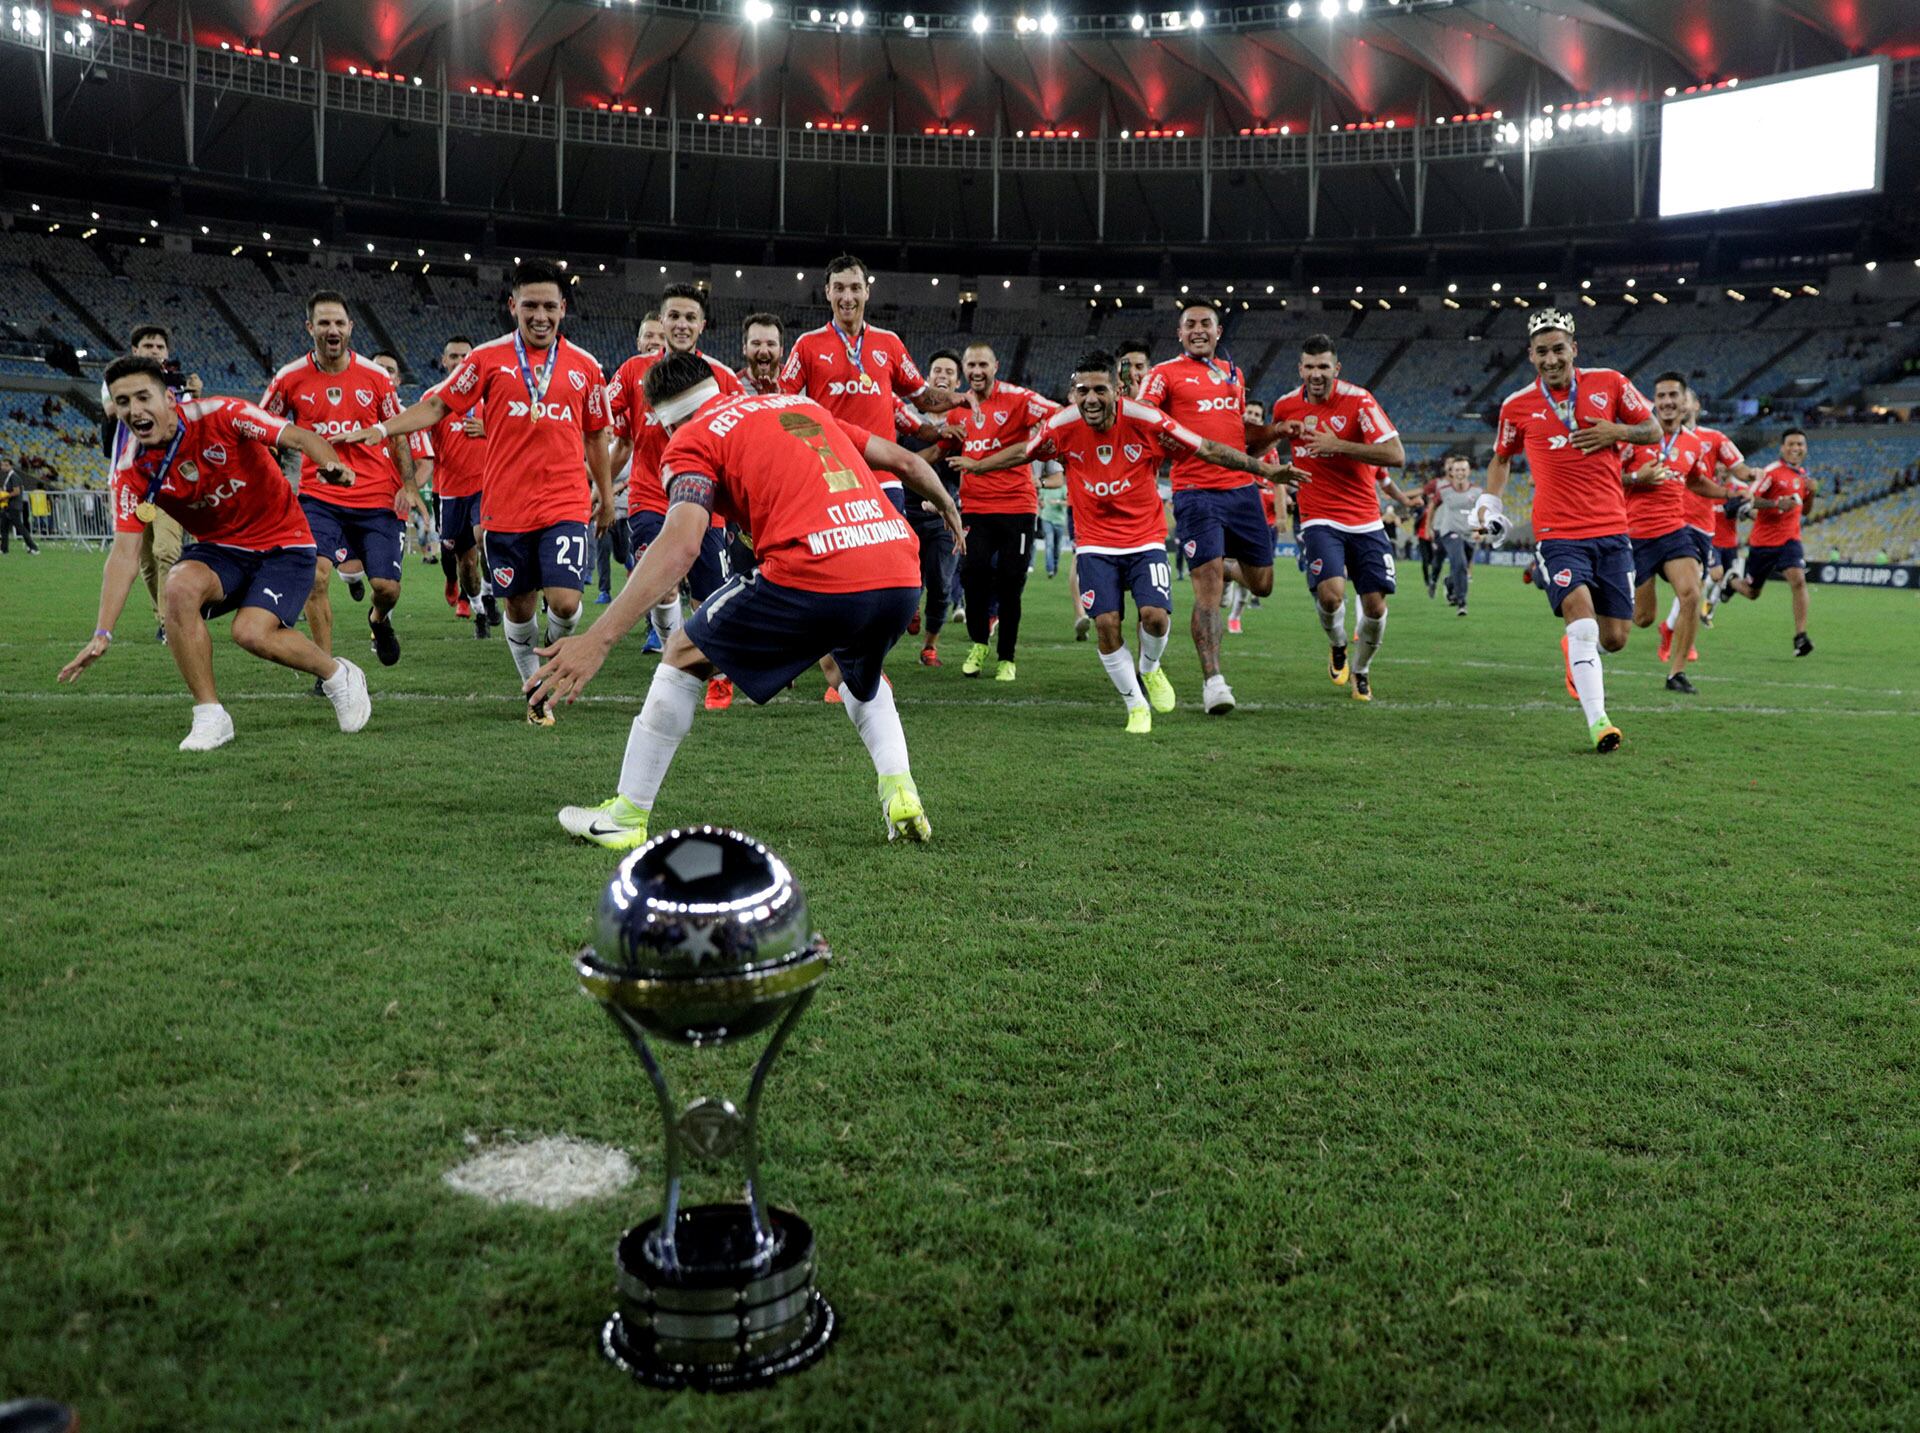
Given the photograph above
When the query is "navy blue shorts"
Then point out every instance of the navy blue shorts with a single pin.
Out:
(1364, 558)
(763, 635)
(1763, 562)
(1210, 523)
(1106, 579)
(457, 519)
(710, 569)
(1651, 555)
(374, 535)
(1604, 564)
(522, 562)
(1723, 557)
(898, 497)
(1702, 546)
(278, 579)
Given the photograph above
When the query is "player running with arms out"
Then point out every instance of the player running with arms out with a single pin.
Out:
(1111, 448)
(213, 466)
(333, 391)
(1569, 422)
(1660, 478)
(546, 419)
(638, 443)
(1727, 465)
(1782, 499)
(1000, 503)
(1342, 442)
(455, 461)
(1220, 525)
(838, 574)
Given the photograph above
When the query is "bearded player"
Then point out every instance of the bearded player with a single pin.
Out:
(213, 466)
(1782, 499)
(1343, 442)
(838, 574)
(333, 391)
(1110, 449)
(761, 337)
(1569, 423)
(637, 446)
(1660, 477)
(1220, 525)
(546, 416)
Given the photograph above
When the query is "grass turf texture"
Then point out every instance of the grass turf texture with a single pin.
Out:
(1323, 1065)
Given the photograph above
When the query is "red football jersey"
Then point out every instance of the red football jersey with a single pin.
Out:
(1575, 494)
(632, 418)
(536, 468)
(1779, 480)
(784, 471)
(1717, 451)
(1111, 483)
(226, 485)
(1207, 396)
(1344, 492)
(1001, 419)
(1656, 509)
(857, 379)
(459, 462)
(332, 404)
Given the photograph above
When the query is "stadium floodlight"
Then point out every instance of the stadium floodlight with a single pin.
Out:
(979, 23)
(1453, 288)
(758, 10)
(1543, 286)
(1269, 288)
(1197, 18)
(369, 243)
(1632, 283)
(859, 18)
(1316, 288)
(316, 242)
(1096, 288)
(1293, 10)
(1329, 9)
(907, 22)
(1139, 21)
(1183, 288)
(1353, 6)
(1586, 283)
(203, 229)
(814, 16)
(1142, 288)
(467, 256)
(1871, 265)
(265, 235)
(1496, 286)
(1048, 23)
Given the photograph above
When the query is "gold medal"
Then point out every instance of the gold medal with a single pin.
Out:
(147, 512)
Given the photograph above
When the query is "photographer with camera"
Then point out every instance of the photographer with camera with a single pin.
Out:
(161, 543)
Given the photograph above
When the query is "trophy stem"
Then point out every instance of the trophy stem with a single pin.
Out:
(669, 1257)
(750, 1145)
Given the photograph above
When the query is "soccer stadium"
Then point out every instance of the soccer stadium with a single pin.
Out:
(1368, 549)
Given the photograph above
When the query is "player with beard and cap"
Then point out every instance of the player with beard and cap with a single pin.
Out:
(1660, 478)
(637, 445)
(332, 391)
(1570, 422)
(546, 415)
(1220, 524)
(838, 574)
(1343, 442)
(213, 465)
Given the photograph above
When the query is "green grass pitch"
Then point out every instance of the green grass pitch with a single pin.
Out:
(1322, 1066)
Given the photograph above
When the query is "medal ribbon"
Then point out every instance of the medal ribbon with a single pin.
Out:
(855, 351)
(537, 392)
(1569, 412)
(159, 479)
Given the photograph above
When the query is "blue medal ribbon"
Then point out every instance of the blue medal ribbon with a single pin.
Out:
(855, 351)
(536, 392)
(1569, 414)
(147, 510)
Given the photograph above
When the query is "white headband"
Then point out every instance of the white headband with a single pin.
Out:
(685, 404)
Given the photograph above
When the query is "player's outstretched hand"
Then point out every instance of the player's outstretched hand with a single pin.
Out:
(89, 654)
(337, 475)
(570, 665)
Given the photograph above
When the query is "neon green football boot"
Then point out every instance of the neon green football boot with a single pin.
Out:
(906, 817)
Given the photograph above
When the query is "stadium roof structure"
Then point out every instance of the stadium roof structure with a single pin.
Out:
(991, 122)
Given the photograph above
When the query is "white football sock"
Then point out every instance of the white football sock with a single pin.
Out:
(1236, 599)
(521, 637)
(1334, 624)
(1119, 667)
(209, 710)
(1152, 648)
(1673, 613)
(1366, 641)
(878, 722)
(666, 617)
(1583, 655)
(558, 626)
(656, 733)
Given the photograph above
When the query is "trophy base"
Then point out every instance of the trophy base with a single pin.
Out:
(717, 1319)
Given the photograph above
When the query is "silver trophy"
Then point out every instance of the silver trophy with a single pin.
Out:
(703, 941)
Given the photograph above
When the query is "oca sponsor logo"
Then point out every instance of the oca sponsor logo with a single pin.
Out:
(1108, 490)
(218, 494)
(556, 412)
(841, 388)
(1217, 405)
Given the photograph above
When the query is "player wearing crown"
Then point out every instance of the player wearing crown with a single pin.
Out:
(1569, 423)
(1782, 499)
(1661, 478)
(213, 466)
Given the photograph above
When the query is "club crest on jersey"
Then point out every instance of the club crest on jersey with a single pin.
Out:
(577, 379)
(1563, 578)
(1133, 452)
(501, 575)
(214, 453)
(364, 396)
(334, 395)
(1104, 452)
(1339, 424)
(999, 417)
(188, 473)
(881, 358)
(1598, 400)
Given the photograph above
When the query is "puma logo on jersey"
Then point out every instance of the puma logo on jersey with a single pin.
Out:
(271, 593)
